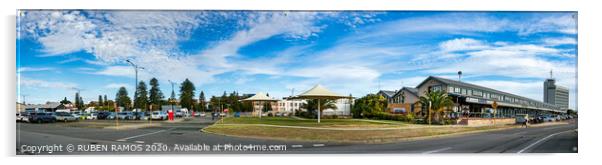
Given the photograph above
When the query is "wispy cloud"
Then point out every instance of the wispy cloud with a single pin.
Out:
(33, 69)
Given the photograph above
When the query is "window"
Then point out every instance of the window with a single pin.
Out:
(450, 89)
(469, 92)
(456, 90)
(477, 93)
(437, 88)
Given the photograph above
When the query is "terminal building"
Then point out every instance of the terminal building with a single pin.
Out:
(470, 100)
(555, 94)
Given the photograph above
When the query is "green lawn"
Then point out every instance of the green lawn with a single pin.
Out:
(337, 123)
(362, 131)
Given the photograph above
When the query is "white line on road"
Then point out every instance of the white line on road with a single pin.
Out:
(318, 145)
(146, 134)
(541, 140)
(296, 146)
(139, 142)
(120, 140)
(437, 150)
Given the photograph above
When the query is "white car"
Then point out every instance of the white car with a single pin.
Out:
(92, 116)
(203, 114)
(159, 115)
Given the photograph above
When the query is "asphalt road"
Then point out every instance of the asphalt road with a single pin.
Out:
(185, 138)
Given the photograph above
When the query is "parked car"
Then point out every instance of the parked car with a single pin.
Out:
(92, 116)
(202, 114)
(42, 117)
(65, 116)
(77, 114)
(127, 115)
(159, 115)
(179, 113)
(102, 115)
(548, 119)
(140, 116)
(111, 116)
(23, 117)
(521, 118)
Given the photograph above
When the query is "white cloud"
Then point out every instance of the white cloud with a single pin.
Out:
(461, 44)
(559, 41)
(32, 69)
(23, 81)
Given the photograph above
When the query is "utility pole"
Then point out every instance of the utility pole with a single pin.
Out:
(136, 67)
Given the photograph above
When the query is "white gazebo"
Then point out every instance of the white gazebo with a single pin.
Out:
(261, 97)
(319, 92)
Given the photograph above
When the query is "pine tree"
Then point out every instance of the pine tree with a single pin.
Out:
(202, 102)
(122, 99)
(76, 102)
(155, 94)
(141, 100)
(100, 101)
(106, 103)
(187, 94)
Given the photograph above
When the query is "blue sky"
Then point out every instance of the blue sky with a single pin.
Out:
(278, 51)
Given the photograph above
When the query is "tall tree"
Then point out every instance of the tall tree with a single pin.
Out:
(106, 103)
(202, 102)
(155, 94)
(77, 102)
(187, 94)
(100, 101)
(122, 99)
(141, 100)
(81, 103)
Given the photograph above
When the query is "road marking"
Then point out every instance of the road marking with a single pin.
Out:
(146, 134)
(139, 142)
(318, 145)
(120, 140)
(437, 150)
(296, 146)
(541, 140)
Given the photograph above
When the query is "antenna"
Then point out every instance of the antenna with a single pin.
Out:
(551, 74)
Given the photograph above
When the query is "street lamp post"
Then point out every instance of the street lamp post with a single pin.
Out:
(136, 67)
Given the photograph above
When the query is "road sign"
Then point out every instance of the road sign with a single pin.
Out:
(494, 105)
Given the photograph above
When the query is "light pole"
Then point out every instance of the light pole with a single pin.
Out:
(136, 67)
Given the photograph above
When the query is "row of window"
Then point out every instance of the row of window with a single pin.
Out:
(492, 96)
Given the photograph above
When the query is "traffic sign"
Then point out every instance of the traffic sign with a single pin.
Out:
(494, 105)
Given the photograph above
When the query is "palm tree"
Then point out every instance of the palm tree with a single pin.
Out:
(437, 101)
(312, 105)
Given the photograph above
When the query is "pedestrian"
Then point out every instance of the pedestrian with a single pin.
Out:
(526, 123)
(212, 115)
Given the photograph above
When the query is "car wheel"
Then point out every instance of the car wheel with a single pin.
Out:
(39, 121)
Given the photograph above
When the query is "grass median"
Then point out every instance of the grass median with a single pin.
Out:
(334, 130)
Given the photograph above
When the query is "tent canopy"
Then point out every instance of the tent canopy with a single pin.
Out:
(260, 96)
(319, 91)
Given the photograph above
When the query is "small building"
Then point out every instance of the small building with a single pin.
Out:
(404, 101)
(387, 94)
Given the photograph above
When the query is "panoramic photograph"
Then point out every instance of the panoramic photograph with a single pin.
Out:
(164, 82)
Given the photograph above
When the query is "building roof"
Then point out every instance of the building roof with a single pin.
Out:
(48, 105)
(387, 93)
(464, 84)
(410, 90)
(259, 97)
(319, 91)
